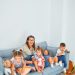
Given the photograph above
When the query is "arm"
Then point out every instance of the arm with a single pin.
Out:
(23, 62)
(43, 59)
(12, 69)
(29, 62)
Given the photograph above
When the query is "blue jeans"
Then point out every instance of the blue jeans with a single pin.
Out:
(29, 58)
(63, 59)
(46, 60)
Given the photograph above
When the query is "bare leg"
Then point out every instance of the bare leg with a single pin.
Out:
(36, 65)
(50, 60)
(55, 60)
(29, 62)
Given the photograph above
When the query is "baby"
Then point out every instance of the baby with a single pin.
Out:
(7, 67)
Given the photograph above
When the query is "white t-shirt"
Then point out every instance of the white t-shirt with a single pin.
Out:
(59, 51)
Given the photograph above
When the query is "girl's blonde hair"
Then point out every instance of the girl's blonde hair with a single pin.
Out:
(17, 53)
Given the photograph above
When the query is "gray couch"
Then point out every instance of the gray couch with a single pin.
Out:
(4, 54)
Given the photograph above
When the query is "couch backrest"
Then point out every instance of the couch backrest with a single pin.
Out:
(52, 50)
(6, 53)
(43, 45)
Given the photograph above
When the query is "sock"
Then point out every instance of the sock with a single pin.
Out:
(52, 65)
(64, 70)
(56, 64)
(60, 63)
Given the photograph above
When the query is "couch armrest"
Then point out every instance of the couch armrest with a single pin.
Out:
(67, 51)
(53, 51)
(1, 66)
(67, 57)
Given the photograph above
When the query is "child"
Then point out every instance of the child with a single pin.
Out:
(39, 59)
(48, 59)
(7, 64)
(18, 64)
(61, 55)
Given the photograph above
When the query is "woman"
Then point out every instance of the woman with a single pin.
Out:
(29, 48)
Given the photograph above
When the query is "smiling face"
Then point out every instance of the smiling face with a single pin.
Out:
(31, 41)
(38, 52)
(62, 48)
(18, 59)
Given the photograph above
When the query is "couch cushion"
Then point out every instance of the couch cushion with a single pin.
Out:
(49, 71)
(52, 71)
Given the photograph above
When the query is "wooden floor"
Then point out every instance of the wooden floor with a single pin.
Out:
(68, 74)
(72, 73)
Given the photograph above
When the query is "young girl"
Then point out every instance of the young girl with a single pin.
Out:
(49, 60)
(38, 57)
(18, 64)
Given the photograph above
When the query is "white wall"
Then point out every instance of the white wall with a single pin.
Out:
(50, 20)
(69, 26)
(55, 22)
(20, 18)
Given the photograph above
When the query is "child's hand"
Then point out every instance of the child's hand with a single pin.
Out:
(21, 48)
(12, 67)
(58, 54)
(66, 49)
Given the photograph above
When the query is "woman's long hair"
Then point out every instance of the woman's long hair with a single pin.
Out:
(31, 36)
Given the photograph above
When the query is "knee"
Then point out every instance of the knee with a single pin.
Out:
(50, 59)
(55, 59)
